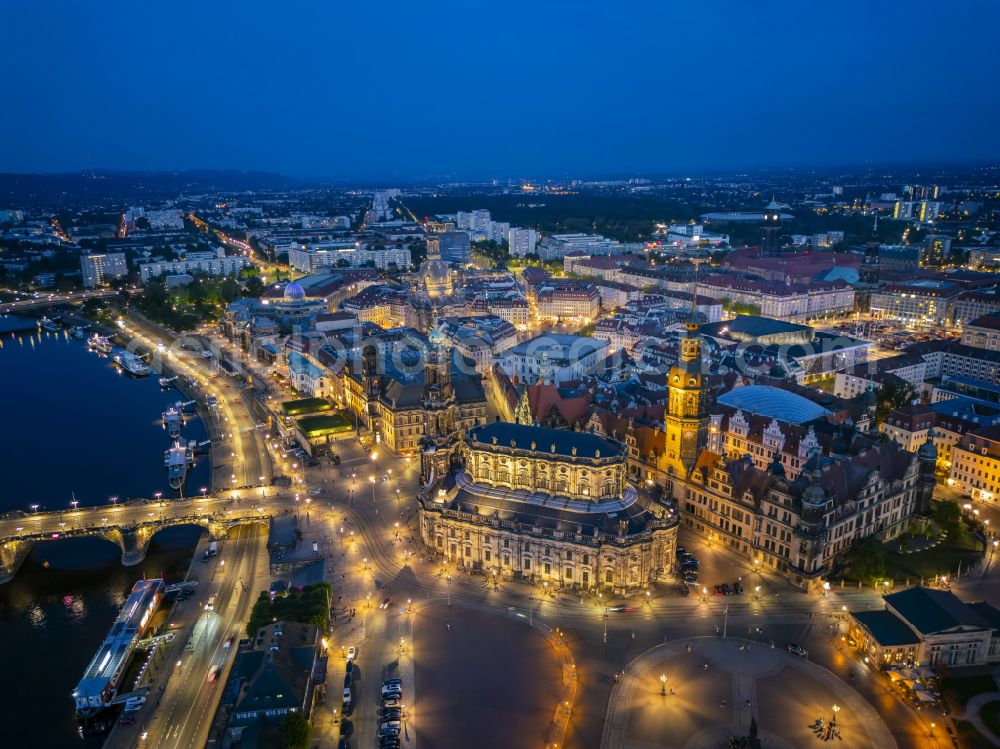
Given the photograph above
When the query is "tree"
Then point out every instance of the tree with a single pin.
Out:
(295, 730)
(254, 286)
(867, 558)
(948, 517)
(894, 393)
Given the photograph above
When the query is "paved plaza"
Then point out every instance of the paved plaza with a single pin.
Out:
(715, 686)
(482, 679)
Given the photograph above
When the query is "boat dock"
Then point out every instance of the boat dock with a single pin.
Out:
(99, 685)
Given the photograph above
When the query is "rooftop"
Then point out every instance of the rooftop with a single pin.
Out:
(553, 441)
(774, 402)
(887, 628)
(931, 611)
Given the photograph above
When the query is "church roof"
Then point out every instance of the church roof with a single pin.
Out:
(586, 445)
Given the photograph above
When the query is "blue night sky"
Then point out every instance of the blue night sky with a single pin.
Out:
(477, 88)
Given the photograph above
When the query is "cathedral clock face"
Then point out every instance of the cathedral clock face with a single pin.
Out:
(688, 434)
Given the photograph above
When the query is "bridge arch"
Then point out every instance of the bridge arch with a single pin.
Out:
(133, 540)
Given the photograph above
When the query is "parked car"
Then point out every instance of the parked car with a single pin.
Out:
(347, 695)
(352, 653)
(738, 588)
(726, 590)
(796, 650)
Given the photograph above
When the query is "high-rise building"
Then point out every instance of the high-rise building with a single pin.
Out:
(98, 270)
(521, 241)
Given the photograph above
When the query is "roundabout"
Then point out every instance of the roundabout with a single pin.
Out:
(701, 693)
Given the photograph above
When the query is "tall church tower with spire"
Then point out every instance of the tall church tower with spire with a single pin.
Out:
(686, 420)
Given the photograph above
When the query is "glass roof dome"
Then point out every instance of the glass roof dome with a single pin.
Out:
(774, 402)
(294, 290)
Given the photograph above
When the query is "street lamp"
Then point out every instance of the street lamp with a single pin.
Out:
(836, 709)
(663, 685)
(74, 503)
(203, 491)
(34, 508)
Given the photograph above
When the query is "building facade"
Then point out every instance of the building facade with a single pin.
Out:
(548, 506)
(98, 270)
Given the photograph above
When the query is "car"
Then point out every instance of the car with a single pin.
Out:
(392, 685)
(347, 695)
(229, 642)
(797, 650)
(726, 590)
(718, 590)
(385, 602)
(392, 694)
(213, 673)
(738, 588)
(621, 608)
(128, 720)
(691, 579)
(352, 653)
(391, 702)
(680, 552)
(391, 713)
(684, 590)
(390, 727)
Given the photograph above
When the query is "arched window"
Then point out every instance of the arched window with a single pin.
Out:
(585, 488)
(562, 486)
(609, 576)
(522, 479)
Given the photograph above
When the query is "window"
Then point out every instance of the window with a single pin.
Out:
(609, 576)
(586, 577)
(506, 543)
(586, 558)
(488, 555)
(453, 549)
(527, 564)
(548, 568)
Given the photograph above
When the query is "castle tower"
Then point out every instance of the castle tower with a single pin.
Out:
(686, 420)
(927, 458)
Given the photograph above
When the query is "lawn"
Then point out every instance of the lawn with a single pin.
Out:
(319, 426)
(942, 559)
(991, 716)
(305, 406)
(964, 688)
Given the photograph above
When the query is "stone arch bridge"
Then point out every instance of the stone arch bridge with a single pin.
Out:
(130, 525)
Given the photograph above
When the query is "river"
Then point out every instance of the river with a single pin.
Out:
(74, 427)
